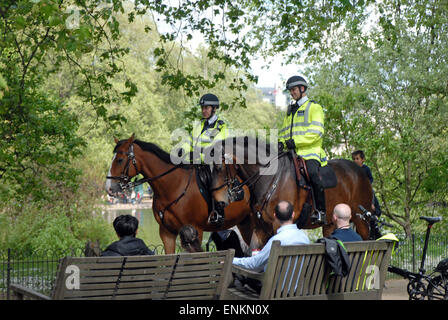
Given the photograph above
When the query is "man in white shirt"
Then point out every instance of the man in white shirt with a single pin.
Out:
(287, 233)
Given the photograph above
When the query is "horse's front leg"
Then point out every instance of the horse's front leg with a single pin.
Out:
(168, 239)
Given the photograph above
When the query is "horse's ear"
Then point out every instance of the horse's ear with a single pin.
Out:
(131, 139)
(116, 140)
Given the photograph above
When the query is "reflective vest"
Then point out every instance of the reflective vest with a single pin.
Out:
(306, 127)
(201, 139)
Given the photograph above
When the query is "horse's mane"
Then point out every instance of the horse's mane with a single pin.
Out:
(153, 148)
(149, 147)
(251, 145)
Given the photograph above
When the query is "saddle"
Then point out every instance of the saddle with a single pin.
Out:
(328, 179)
(326, 174)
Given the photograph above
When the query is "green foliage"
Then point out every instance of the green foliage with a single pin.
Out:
(66, 88)
(38, 135)
(3, 86)
(385, 92)
(30, 228)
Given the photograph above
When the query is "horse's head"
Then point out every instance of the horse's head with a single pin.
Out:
(123, 168)
(226, 186)
(235, 165)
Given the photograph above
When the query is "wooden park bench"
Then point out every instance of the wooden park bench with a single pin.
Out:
(301, 272)
(203, 275)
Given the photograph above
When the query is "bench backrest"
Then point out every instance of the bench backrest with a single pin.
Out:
(203, 275)
(301, 272)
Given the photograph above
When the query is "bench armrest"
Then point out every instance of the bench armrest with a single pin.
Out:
(20, 292)
(247, 273)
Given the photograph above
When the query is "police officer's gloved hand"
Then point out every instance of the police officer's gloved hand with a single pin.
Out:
(290, 144)
(280, 146)
(180, 152)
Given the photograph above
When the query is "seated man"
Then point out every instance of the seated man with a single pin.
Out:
(341, 218)
(126, 227)
(287, 233)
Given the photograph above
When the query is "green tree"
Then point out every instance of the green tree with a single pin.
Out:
(386, 92)
(39, 133)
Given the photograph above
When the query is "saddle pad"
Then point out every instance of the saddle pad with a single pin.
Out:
(328, 177)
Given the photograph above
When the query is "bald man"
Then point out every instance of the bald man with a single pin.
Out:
(341, 218)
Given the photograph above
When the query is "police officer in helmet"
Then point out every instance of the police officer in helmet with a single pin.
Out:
(302, 131)
(205, 132)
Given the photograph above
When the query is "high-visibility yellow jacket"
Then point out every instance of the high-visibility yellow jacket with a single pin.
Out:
(201, 139)
(306, 127)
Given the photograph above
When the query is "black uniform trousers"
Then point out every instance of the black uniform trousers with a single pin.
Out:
(318, 189)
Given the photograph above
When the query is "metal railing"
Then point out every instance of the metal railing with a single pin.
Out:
(408, 255)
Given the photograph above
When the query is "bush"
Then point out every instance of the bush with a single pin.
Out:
(32, 228)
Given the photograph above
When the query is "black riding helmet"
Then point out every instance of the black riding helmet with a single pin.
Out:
(209, 99)
(295, 81)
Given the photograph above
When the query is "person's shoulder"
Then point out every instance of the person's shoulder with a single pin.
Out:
(339, 233)
(111, 250)
(314, 103)
(137, 241)
(144, 247)
(346, 235)
(296, 235)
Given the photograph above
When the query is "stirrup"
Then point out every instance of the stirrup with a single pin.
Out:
(319, 217)
(215, 218)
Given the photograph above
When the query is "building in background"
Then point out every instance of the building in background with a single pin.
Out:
(275, 96)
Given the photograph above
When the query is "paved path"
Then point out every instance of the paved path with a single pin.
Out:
(395, 290)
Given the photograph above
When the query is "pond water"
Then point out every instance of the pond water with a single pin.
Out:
(148, 229)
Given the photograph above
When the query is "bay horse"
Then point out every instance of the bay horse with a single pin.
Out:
(177, 199)
(266, 190)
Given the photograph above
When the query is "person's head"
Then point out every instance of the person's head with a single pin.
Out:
(189, 239)
(284, 212)
(209, 103)
(342, 215)
(297, 86)
(358, 157)
(125, 225)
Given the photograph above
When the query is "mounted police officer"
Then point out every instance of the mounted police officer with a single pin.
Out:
(205, 132)
(302, 132)
(209, 129)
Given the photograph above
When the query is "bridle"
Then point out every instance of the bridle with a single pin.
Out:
(234, 187)
(126, 183)
(125, 180)
(235, 191)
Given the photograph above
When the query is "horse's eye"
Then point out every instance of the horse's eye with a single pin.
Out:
(120, 161)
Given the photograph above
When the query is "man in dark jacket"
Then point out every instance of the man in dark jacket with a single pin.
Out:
(126, 228)
(341, 218)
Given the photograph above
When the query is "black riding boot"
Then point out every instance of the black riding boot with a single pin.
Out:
(319, 215)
